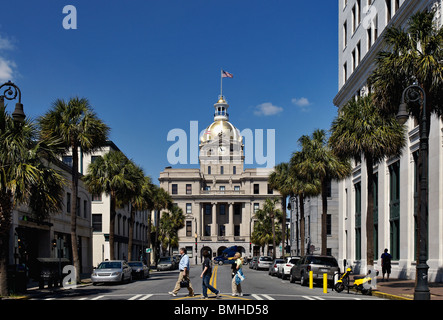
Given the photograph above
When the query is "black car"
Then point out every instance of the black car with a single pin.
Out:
(139, 269)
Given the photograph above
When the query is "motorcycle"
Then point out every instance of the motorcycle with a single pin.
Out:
(362, 284)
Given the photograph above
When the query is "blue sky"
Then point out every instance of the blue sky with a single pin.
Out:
(150, 66)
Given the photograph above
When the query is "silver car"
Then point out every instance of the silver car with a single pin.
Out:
(263, 262)
(112, 271)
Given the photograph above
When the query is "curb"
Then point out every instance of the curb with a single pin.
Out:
(389, 296)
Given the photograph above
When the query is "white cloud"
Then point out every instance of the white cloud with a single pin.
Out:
(302, 103)
(267, 109)
(7, 67)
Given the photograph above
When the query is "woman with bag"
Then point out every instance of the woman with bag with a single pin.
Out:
(239, 276)
(206, 276)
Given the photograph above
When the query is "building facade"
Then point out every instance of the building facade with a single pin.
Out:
(220, 197)
(361, 27)
(313, 223)
(100, 219)
(32, 239)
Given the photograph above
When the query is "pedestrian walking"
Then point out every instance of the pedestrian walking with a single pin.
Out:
(206, 276)
(238, 276)
(386, 264)
(183, 275)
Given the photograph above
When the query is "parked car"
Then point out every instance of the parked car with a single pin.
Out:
(112, 271)
(284, 269)
(139, 269)
(263, 262)
(273, 268)
(166, 263)
(253, 262)
(318, 265)
(50, 270)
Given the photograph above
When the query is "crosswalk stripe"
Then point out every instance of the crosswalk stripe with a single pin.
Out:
(146, 297)
(268, 297)
(97, 298)
(257, 297)
(135, 297)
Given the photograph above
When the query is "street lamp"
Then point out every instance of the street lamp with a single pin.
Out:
(10, 93)
(416, 94)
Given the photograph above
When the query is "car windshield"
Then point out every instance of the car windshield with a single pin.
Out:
(265, 259)
(165, 260)
(294, 261)
(135, 264)
(327, 261)
(110, 265)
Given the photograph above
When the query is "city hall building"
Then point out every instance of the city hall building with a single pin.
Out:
(220, 197)
(362, 24)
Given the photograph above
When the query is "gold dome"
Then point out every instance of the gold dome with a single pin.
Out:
(225, 128)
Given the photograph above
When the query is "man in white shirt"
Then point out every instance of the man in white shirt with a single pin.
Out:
(184, 274)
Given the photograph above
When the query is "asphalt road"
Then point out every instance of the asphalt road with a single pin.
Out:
(258, 286)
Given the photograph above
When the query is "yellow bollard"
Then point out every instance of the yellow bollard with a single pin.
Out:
(325, 283)
(311, 280)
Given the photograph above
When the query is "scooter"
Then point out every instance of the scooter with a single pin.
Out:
(362, 284)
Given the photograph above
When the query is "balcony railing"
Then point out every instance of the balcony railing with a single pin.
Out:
(221, 192)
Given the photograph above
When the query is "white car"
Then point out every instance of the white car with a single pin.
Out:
(263, 263)
(284, 269)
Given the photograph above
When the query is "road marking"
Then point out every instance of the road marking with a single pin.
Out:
(97, 298)
(257, 297)
(135, 297)
(313, 298)
(268, 297)
(146, 297)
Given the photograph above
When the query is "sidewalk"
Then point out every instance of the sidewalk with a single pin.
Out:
(399, 289)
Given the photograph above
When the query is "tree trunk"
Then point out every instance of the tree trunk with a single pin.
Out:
(131, 233)
(5, 229)
(148, 245)
(324, 200)
(283, 231)
(112, 227)
(302, 224)
(74, 208)
(370, 213)
(274, 249)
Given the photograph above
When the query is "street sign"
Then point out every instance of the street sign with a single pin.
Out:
(148, 250)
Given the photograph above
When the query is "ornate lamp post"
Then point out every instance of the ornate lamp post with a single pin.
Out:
(10, 93)
(416, 94)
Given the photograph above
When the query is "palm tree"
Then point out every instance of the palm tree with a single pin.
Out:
(162, 200)
(135, 196)
(266, 229)
(75, 125)
(281, 180)
(413, 55)
(303, 186)
(361, 130)
(170, 222)
(25, 178)
(273, 215)
(110, 174)
(319, 162)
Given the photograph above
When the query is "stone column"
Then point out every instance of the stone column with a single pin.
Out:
(214, 231)
(230, 232)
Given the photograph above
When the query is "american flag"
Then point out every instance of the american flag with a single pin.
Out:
(226, 74)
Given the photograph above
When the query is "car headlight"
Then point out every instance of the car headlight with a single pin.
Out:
(115, 273)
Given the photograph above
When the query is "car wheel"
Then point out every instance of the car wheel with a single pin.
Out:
(291, 278)
(303, 280)
(220, 263)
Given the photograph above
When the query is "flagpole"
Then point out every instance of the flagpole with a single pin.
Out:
(221, 83)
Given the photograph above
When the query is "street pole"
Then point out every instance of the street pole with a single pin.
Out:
(11, 93)
(415, 94)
